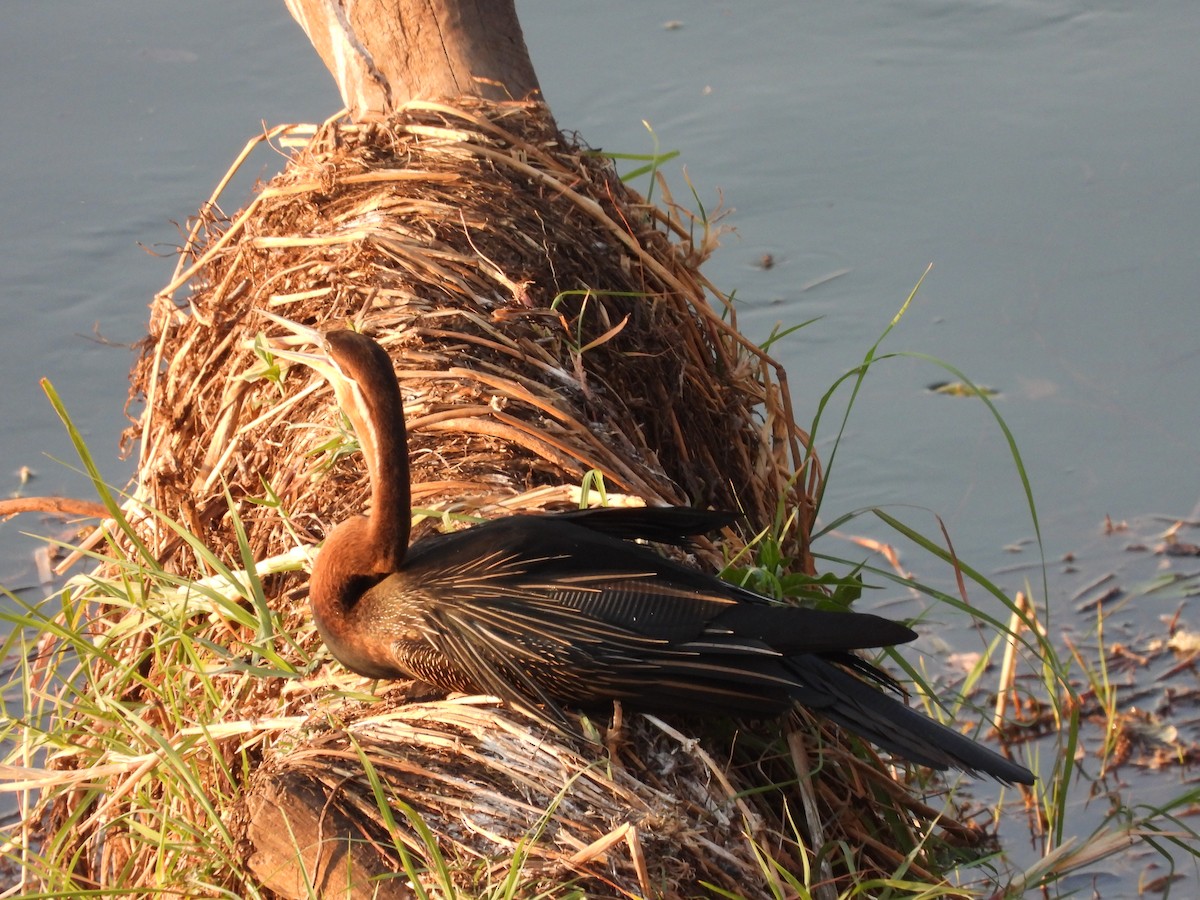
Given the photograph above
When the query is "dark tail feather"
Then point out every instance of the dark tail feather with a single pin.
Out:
(888, 723)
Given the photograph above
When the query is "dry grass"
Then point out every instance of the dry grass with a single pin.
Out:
(543, 322)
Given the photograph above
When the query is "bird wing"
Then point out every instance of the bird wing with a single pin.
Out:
(553, 611)
(565, 561)
(546, 612)
(547, 643)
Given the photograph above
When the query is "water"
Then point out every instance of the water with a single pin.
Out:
(121, 120)
(1040, 155)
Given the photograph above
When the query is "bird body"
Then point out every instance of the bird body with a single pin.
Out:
(549, 598)
(568, 609)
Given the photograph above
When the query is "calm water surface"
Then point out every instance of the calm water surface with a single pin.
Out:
(1041, 155)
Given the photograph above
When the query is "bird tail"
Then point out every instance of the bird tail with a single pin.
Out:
(887, 722)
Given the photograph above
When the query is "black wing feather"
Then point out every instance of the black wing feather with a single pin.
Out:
(556, 610)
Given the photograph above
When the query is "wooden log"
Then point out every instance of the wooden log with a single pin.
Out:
(56, 506)
(383, 53)
(306, 846)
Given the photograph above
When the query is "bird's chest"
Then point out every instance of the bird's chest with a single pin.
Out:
(432, 666)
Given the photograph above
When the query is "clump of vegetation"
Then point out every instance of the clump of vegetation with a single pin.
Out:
(169, 717)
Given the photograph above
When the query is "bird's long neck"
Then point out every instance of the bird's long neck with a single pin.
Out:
(386, 450)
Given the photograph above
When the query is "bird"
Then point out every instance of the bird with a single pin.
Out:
(575, 610)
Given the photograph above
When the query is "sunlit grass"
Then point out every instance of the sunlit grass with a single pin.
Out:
(138, 720)
(1052, 747)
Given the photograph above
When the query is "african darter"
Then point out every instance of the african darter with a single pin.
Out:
(547, 611)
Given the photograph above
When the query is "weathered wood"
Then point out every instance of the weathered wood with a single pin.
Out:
(383, 53)
(305, 846)
(57, 506)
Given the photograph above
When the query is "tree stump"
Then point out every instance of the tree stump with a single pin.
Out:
(386, 52)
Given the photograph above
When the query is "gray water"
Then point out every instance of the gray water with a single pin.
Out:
(1042, 155)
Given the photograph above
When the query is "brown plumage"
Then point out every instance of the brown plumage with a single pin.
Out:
(565, 610)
